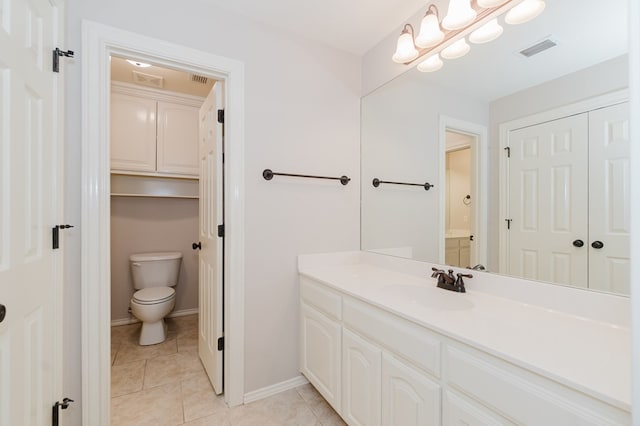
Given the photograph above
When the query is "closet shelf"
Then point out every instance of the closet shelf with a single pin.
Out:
(127, 185)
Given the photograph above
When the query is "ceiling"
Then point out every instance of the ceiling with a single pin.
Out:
(354, 26)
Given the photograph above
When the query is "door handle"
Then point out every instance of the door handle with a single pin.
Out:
(597, 244)
(197, 246)
(3, 312)
(578, 243)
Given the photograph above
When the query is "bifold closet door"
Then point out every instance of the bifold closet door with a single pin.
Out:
(548, 203)
(609, 206)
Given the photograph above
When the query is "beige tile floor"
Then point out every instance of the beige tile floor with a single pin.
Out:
(165, 384)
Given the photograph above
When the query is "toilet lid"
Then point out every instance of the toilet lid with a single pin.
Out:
(153, 295)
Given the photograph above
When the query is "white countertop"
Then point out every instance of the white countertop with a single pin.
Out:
(588, 355)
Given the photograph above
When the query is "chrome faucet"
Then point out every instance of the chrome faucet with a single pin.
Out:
(448, 281)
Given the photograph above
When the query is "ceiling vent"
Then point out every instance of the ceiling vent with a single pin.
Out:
(539, 47)
(148, 79)
(199, 79)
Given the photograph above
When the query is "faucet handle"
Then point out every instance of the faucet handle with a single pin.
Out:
(459, 286)
(464, 275)
(436, 272)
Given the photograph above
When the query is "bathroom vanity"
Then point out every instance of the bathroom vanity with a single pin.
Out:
(383, 345)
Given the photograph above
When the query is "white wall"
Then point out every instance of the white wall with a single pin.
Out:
(141, 225)
(400, 142)
(590, 82)
(301, 115)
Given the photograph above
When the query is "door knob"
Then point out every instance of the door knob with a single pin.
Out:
(197, 246)
(3, 312)
(578, 243)
(597, 244)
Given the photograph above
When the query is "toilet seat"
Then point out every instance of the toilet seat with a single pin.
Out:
(153, 295)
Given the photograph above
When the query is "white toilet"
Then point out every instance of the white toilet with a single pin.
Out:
(154, 276)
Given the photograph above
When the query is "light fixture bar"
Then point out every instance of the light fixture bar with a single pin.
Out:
(451, 36)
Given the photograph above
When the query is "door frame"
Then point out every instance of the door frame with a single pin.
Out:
(98, 43)
(479, 186)
(590, 104)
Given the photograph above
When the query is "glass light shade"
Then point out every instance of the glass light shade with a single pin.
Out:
(432, 63)
(486, 4)
(459, 15)
(456, 50)
(525, 11)
(405, 50)
(486, 33)
(430, 32)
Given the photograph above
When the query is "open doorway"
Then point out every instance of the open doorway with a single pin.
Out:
(100, 42)
(166, 264)
(463, 197)
(459, 223)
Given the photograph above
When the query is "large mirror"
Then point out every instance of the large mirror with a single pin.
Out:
(518, 152)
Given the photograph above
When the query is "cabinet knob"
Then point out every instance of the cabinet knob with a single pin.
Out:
(597, 244)
(578, 243)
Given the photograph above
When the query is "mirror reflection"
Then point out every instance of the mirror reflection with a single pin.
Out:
(526, 156)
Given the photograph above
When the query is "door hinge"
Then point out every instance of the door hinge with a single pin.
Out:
(508, 149)
(55, 235)
(221, 116)
(220, 343)
(508, 223)
(55, 410)
(56, 57)
(221, 231)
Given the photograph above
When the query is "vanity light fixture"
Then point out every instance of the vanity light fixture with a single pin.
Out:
(456, 50)
(486, 33)
(477, 19)
(524, 12)
(459, 15)
(405, 50)
(432, 63)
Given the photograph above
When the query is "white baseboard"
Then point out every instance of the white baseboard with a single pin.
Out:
(274, 389)
(133, 320)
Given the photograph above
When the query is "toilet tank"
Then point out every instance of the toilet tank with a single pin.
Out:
(155, 269)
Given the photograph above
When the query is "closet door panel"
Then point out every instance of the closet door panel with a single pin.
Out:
(609, 209)
(548, 203)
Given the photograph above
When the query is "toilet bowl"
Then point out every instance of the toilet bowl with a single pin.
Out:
(154, 276)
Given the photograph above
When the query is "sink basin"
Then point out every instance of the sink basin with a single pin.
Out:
(429, 298)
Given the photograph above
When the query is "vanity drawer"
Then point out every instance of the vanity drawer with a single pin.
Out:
(522, 396)
(398, 335)
(321, 297)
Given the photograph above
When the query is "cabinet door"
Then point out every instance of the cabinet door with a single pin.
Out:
(320, 353)
(177, 139)
(133, 133)
(609, 198)
(465, 252)
(451, 252)
(458, 410)
(408, 396)
(360, 380)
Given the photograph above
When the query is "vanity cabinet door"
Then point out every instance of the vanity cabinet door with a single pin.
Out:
(177, 139)
(133, 133)
(408, 396)
(320, 355)
(459, 410)
(361, 365)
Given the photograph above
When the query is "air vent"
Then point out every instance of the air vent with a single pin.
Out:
(199, 79)
(538, 48)
(148, 79)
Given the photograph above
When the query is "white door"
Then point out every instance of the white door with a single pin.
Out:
(609, 206)
(408, 396)
(30, 190)
(361, 369)
(548, 205)
(210, 280)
